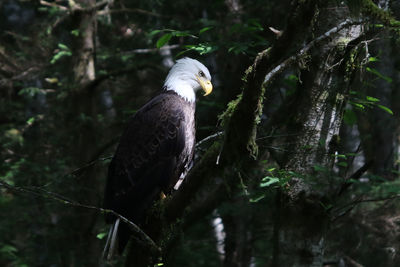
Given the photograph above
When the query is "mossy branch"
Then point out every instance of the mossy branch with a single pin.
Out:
(369, 8)
(242, 115)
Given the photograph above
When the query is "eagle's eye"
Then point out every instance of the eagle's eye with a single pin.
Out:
(201, 74)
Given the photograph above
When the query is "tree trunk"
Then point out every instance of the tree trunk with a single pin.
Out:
(85, 106)
(313, 132)
(238, 240)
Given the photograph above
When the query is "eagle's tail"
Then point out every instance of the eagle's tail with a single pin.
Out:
(109, 248)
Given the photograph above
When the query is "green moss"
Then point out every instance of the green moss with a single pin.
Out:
(252, 146)
(227, 114)
(369, 8)
(342, 42)
(303, 61)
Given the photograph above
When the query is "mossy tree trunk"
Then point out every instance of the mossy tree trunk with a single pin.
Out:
(313, 137)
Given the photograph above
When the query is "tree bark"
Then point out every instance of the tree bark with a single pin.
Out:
(85, 106)
(313, 132)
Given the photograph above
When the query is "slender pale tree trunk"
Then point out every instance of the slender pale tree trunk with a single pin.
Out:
(85, 105)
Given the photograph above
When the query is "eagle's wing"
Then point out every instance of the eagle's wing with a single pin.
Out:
(146, 160)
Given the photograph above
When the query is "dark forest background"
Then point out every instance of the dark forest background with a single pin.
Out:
(297, 161)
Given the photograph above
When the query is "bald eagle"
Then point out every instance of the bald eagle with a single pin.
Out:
(156, 148)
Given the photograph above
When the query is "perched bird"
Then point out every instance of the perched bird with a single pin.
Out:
(156, 148)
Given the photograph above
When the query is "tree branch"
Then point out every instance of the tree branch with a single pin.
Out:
(150, 50)
(80, 170)
(361, 200)
(244, 116)
(142, 236)
(289, 61)
(356, 176)
(131, 10)
(45, 3)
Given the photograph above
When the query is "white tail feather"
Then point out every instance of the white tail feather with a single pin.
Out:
(111, 238)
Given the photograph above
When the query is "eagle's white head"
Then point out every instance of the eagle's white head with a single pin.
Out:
(186, 77)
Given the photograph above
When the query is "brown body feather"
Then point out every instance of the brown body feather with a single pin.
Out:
(156, 148)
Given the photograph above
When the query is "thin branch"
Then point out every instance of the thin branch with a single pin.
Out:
(373, 200)
(92, 85)
(80, 170)
(97, 6)
(351, 205)
(59, 198)
(45, 3)
(209, 138)
(131, 10)
(352, 262)
(150, 50)
(356, 176)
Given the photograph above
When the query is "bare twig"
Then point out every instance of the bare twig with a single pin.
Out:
(356, 202)
(56, 197)
(79, 170)
(45, 3)
(351, 205)
(97, 6)
(150, 50)
(355, 175)
(130, 10)
(209, 138)
(352, 262)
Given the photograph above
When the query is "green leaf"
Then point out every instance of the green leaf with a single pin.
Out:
(8, 251)
(59, 55)
(373, 59)
(30, 91)
(63, 46)
(255, 200)
(388, 110)
(372, 99)
(342, 164)
(358, 105)
(320, 168)
(182, 34)
(30, 121)
(270, 181)
(75, 33)
(43, 9)
(257, 24)
(154, 32)
(326, 207)
(205, 29)
(200, 48)
(380, 75)
(163, 40)
(101, 235)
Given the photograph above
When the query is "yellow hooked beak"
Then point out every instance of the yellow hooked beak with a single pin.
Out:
(205, 85)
